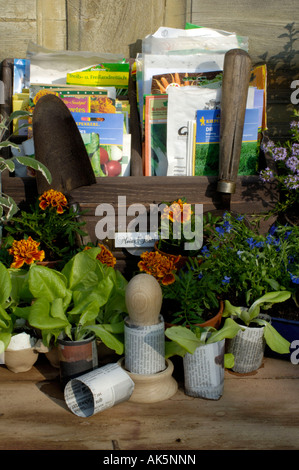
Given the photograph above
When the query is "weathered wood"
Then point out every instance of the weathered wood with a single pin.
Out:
(258, 411)
(236, 76)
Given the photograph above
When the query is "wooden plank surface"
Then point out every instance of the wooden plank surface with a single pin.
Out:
(258, 411)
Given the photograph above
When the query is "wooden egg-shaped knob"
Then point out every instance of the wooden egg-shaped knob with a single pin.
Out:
(144, 300)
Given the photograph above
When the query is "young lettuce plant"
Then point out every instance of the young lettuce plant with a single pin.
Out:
(85, 297)
(183, 339)
(251, 315)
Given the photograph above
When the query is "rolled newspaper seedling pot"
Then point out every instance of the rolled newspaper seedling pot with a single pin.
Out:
(248, 348)
(204, 371)
(144, 347)
(98, 390)
(152, 388)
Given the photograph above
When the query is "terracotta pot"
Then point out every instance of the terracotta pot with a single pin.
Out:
(215, 321)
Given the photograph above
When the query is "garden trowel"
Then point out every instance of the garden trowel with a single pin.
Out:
(235, 83)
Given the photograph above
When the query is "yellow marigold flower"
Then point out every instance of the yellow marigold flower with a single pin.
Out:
(53, 198)
(105, 256)
(25, 251)
(181, 211)
(159, 266)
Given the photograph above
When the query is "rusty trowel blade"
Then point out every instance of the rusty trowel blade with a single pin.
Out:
(58, 145)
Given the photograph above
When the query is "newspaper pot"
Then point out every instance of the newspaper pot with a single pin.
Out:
(152, 388)
(20, 360)
(248, 348)
(204, 371)
(76, 357)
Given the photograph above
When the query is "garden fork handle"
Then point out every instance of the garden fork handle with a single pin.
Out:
(235, 83)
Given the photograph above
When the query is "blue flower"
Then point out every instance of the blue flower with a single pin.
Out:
(205, 251)
(250, 242)
(294, 279)
(220, 230)
(226, 280)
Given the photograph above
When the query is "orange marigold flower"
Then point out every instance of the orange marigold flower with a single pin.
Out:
(25, 251)
(53, 198)
(178, 211)
(105, 256)
(159, 266)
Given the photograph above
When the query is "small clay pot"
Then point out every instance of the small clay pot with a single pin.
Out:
(20, 360)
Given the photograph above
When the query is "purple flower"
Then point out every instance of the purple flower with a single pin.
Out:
(294, 125)
(292, 181)
(295, 150)
(266, 175)
(292, 164)
(226, 280)
(279, 153)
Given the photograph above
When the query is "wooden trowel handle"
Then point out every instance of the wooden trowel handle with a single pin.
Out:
(236, 76)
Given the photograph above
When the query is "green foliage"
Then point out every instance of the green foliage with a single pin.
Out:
(86, 296)
(248, 264)
(185, 340)
(56, 233)
(196, 295)
(8, 207)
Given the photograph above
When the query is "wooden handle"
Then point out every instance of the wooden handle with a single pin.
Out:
(144, 300)
(236, 76)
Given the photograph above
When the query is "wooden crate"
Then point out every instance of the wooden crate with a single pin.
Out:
(251, 196)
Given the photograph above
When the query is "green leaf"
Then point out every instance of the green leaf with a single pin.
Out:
(8, 203)
(229, 360)
(184, 337)
(36, 165)
(229, 330)
(80, 270)
(273, 339)
(269, 297)
(5, 284)
(108, 339)
(40, 316)
(47, 283)
(174, 349)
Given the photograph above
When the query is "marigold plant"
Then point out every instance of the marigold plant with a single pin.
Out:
(105, 256)
(179, 227)
(52, 198)
(25, 252)
(159, 266)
